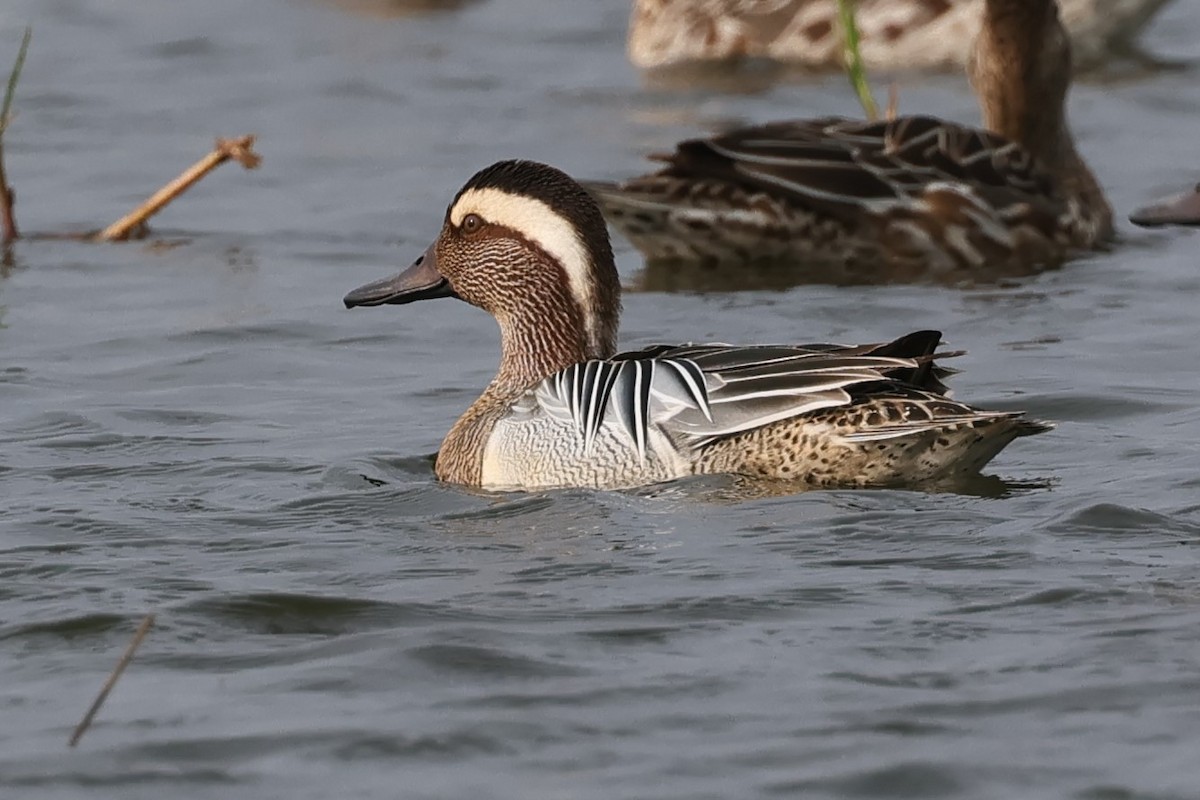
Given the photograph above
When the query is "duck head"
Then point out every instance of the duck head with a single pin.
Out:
(524, 242)
(1182, 209)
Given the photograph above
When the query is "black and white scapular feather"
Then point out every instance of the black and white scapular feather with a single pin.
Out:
(697, 394)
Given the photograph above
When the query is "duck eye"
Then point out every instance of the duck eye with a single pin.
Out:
(471, 223)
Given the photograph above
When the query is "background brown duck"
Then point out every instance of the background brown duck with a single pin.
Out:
(911, 198)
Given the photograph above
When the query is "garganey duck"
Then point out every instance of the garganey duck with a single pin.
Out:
(1182, 209)
(894, 34)
(910, 197)
(528, 244)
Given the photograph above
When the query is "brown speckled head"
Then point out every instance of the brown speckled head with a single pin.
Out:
(521, 236)
(526, 243)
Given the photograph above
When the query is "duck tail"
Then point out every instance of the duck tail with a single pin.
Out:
(1031, 427)
(921, 346)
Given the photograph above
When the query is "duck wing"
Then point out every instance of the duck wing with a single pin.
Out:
(838, 166)
(697, 394)
(918, 346)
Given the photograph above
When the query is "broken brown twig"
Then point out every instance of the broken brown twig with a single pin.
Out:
(240, 150)
(126, 657)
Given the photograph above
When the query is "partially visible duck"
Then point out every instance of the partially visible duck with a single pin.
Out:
(910, 197)
(526, 243)
(1182, 209)
(894, 34)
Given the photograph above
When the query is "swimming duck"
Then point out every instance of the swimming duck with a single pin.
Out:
(908, 197)
(526, 243)
(894, 34)
(1182, 209)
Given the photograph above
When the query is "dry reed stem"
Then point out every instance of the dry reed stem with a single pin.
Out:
(893, 106)
(240, 150)
(8, 198)
(126, 657)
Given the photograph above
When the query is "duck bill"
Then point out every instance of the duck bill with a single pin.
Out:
(1183, 209)
(421, 281)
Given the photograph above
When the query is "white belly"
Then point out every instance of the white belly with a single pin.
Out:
(537, 451)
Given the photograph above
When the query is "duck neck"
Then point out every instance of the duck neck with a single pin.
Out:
(1077, 182)
(1047, 137)
(552, 323)
(1021, 71)
(547, 323)
(536, 342)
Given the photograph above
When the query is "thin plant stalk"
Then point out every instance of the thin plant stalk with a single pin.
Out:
(854, 64)
(8, 222)
(122, 663)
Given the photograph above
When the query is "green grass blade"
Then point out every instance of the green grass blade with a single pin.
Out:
(13, 77)
(854, 65)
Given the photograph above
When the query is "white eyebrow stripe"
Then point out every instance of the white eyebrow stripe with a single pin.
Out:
(541, 224)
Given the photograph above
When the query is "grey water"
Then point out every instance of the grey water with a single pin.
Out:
(199, 429)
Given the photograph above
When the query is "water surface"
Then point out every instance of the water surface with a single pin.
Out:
(204, 432)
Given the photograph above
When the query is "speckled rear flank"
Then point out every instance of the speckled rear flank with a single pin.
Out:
(819, 449)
